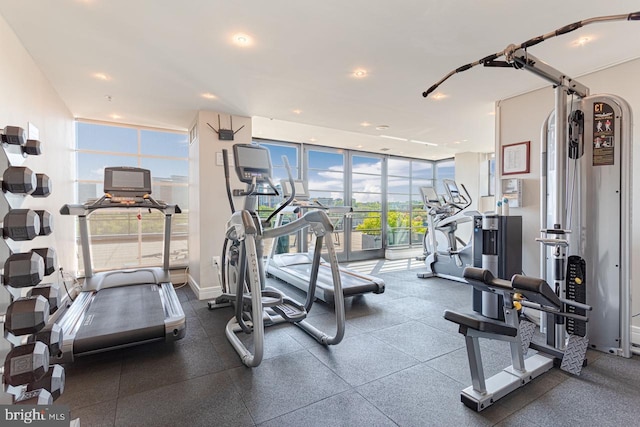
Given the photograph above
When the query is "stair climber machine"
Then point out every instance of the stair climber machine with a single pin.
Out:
(445, 213)
(585, 217)
(243, 276)
(122, 308)
(295, 268)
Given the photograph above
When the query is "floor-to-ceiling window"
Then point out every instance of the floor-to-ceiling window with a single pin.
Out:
(122, 238)
(406, 216)
(367, 229)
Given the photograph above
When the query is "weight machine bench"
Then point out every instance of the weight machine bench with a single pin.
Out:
(536, 294)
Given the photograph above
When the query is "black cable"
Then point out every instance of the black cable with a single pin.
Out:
(65, 284)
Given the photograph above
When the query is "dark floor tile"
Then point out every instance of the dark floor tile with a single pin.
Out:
(284, 384)
(422, 396)
(91, 380)
(100, 415)
(204, 401)
(190, 357)
(380, 316)
(455, 365)
(327, 324)
(362, 359)
(419, 340)
(277, 341)
(345, 409)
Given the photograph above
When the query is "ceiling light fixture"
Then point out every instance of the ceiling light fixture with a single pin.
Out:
(242, 39)
(208, 95)
(424, 142)
(382, 127)
(101, 76)
(297, 111)
(360, 73)
(582, 41)
(312, 139)
(393, 137)
(359, 146)
(365, 124)
(115, 116)
(439, 96)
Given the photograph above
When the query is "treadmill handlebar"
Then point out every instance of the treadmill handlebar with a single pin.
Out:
(105, 203)
(317, 217)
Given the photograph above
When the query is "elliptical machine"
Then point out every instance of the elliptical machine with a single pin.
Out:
(445, 213)
(243, 276)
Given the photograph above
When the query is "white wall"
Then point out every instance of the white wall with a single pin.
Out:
(520, 119)
(208, 206)
(27, 97)
(468, 173)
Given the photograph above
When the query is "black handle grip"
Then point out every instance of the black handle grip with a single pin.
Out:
(428, 91)
(635, 16)
(225, 162)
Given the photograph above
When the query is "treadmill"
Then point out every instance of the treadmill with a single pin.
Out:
(295, 268)
(122, 308)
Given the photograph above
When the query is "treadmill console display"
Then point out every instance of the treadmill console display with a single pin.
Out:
(127, 181)
(252, 161)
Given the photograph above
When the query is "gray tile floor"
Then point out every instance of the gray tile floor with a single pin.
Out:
(400, 363)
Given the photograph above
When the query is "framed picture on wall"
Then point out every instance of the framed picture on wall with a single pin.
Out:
(515, 158)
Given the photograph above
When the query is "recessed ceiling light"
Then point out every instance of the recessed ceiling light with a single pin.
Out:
(433, 144)
(492, 113)
(101, 76)
(582, 41)
(297, 111)
(456, 142)
(242, 39)
(439, 95)
(208, 95)
(382, 127)
(360, 73)
(393, 137)
(312, 139)
(359, 146)
(365, 124)
(115, 116)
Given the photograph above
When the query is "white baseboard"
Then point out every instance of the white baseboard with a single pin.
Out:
(635, 335)
(393, 254)
(204, 293)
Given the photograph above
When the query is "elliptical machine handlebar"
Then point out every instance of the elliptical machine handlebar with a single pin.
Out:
(292, 196)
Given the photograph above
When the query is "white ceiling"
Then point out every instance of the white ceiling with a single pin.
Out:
(162, 55)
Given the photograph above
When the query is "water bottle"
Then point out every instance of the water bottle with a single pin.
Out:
(505, 207)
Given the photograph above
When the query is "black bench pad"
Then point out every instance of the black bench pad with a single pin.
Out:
(480, 323)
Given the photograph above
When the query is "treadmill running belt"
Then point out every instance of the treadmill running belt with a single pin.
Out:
(121, 316)
(351, 284)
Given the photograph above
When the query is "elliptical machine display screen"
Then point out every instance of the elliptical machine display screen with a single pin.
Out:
(452, 191)
(252, 161)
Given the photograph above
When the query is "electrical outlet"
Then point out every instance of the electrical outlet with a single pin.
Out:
(215, 261)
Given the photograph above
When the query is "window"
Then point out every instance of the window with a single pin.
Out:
(445, 169)
(406, 216)
(277, 150)
(129, 238)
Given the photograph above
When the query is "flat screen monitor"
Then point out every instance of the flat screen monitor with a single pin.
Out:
(127, 181)
(252, 161)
